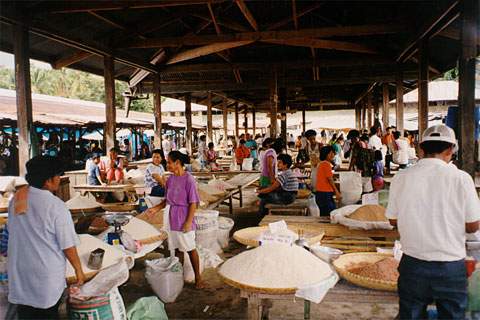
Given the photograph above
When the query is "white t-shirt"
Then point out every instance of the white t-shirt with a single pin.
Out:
(202, 148)
(432, 201)
(36, 262)
(400, 154)
(167, 147)
(150, 181)
(375, 142)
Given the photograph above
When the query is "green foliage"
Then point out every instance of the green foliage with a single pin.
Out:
(73, 84)
(451, 75)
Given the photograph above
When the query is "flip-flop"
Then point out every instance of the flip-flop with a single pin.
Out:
(199, 285)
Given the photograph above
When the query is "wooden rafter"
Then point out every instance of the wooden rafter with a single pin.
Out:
(326, 44)
(453, 33)
(290, 18)
(71, 59)
(295, 20)
(223, 21)
(205, 50)
(248, 15)
(329, 32)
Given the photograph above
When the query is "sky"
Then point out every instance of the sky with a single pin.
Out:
(7, 60)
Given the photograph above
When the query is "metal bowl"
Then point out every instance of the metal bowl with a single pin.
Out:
(325, 253)
(117, 220)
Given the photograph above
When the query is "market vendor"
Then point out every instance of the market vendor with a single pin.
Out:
(41, 237)
(155, 174)
(433, 204)
(114, 167)
(283, 190)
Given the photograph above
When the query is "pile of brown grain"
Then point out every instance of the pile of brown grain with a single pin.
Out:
(98, 223)
(369, 212)
(155, 219)
(385, 269)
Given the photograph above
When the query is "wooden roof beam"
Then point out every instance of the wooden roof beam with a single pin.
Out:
(248, 15)
(453, 33)
(363, 95)
(225, 96)
(328, 32)
(205, 50)
(71, 59)
(225, 22)
(326, 44)
(294, 9)
(290, 18)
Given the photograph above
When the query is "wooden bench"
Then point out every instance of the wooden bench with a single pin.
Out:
(299, 207)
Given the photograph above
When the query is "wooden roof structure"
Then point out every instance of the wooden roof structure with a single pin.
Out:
(324, 53)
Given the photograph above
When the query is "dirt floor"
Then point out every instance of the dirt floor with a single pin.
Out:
(224, 301)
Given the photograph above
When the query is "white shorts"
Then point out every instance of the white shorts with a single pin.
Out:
(367, 184)
(184, 242)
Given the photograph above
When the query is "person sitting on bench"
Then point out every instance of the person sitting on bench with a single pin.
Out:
(284, 190)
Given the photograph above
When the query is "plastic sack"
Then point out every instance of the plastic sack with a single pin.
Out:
(221, 185)
(188, 272)
(338, 216)
(106, 307)
(147, 308)
(350, 188)
(247, 164)
(165, 276)
(207, 229)
(225, 225)
(313, 209)
(134, 176)
(212, 260)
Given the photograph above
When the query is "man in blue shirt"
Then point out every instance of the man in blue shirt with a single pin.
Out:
(251, 144)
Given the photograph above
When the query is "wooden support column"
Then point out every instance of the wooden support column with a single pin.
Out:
(376, 107)
(188, 117)
(283, 107)
(273, 103)
(225, 123)
(304, 123)
(364, 114)
(24, 95)
(254, 122)
(237, 131)
(399, 98)
(358, 117)
(369, 109)
(128, 101)
(110, 113)
(157, 111)
(422, 88)
(209, 117)
(385, 106)
(245, 118)
(466, 90)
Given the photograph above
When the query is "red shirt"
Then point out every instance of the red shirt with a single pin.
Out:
(241, 153)
(324, 171)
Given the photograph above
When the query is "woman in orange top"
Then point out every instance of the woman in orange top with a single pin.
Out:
(241, 153)
(325, 186)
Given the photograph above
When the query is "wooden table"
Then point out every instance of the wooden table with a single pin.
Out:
(127, 188)
(259, 303)
(229, 174)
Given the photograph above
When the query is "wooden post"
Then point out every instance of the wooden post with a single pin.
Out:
(385, 107)
(237, 133)
(24, 95)
(254, 122)
(128, 101)
(283, 107)
(364, 114)
(188, 116)
(376, 108)
(273, 103)
(245, 118)
(304, 122)
(225, 123)
(358, 117)
(422, 88)
(369, 109)
(157, 111)
(110, 112)
(466, 89)
(209, 117)
(399, 98)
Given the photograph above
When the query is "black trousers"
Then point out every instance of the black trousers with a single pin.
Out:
(29, 312)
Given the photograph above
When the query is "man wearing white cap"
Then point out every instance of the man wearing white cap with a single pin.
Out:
(434, 205)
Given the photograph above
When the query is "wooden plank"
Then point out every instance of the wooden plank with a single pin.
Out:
(298, 15)
(454, 33)
(283, 121)
(248, 15)
(71, 59)
(188, 116)
(205, 50)
(110, 112)
(466, 91)
(343, 31)
(237, 131)
(423, 88)
(23, 94)
(399, 107)
(325, 44)
(254, 122)
(157, 111)
(369, 109)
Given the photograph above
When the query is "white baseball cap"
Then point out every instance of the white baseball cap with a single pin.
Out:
(439, 133)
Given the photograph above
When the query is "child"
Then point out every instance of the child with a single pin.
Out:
(154, 175)
(182, 197)
(325, 185)
(378, 167)
(211, 156)
(94, 178)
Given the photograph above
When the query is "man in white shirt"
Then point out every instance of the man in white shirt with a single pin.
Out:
(375, 142)
(434, 205)
(166, 146)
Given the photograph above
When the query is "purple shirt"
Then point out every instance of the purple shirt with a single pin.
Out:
(268, 153)
(180, 192)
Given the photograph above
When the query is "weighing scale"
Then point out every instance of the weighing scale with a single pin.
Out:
(117, 221)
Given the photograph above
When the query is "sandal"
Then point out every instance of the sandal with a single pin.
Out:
(199, 285)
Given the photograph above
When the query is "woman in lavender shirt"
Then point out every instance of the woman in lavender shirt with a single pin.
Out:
(182, 197)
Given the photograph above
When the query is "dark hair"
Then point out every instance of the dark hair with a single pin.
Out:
(378, 155)
(388, 128)
(353, 134)
(211, 145)
(291, 144)
(373, 130)
(325, 151)
(364, 137)
(266, 142)
(203, 137)
(126, 141)
(396, 134)
(41, 168)
(162, 155)
(242, 141)
(177, 155)
(114, 149)
(310, 133)
(95, 156)
(434, 147)
(405, 134)
(286, 159)
(278, 145)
